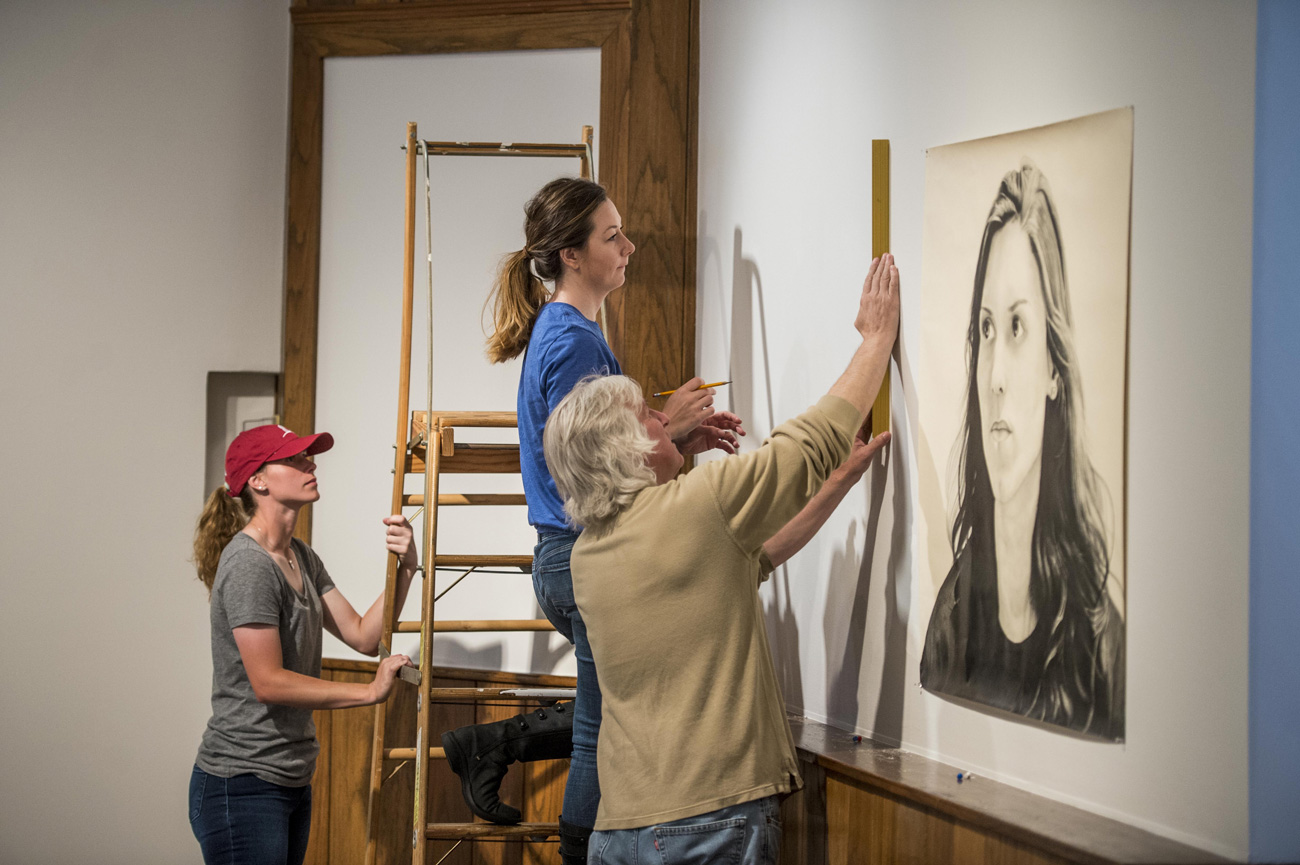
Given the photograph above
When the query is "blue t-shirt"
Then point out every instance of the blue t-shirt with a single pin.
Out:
(564, 348)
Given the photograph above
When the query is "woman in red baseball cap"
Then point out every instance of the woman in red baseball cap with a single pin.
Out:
(270, 598)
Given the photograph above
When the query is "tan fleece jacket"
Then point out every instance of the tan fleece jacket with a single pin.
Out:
(692, 717)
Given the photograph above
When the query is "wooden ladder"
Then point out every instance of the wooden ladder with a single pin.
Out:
(426, 445)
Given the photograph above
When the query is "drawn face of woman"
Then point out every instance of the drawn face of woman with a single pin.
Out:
(1014, 371)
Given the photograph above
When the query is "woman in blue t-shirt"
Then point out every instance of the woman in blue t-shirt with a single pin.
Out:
(573, 239)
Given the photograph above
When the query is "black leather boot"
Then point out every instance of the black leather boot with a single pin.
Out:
(573, 843)
(481, 753)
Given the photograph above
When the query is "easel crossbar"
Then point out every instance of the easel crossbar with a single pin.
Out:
(500, 148)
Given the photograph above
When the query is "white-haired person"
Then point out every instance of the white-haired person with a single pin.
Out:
(694, 749)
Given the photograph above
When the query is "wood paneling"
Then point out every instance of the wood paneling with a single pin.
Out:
(868, 827)
(649, 72)
(342, 770)
(347, 799)
(803, 818)
(318, 841)
(653, 315)
(512, 792)
(903, 794)
(861, 802)
(543, 798)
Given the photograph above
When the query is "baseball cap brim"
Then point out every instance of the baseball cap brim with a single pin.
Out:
(312, 444)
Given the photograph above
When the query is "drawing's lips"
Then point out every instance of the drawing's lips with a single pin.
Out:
(1000, 430)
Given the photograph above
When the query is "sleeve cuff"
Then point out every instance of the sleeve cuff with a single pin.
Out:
(841, 412)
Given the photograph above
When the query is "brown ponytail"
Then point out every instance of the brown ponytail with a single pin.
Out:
(223, 517)
(558, 217)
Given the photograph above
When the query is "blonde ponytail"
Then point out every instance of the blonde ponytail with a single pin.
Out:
(516, 299)
(558, 217)
(223, 517)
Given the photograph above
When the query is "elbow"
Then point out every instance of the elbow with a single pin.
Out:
(268, 689)
(262, 693)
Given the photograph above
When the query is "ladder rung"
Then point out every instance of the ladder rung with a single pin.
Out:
(500, 419)
(486, 561)
(471, 459)
(522, 693)
(453, 831)
(409, 754)
(441, 626)
(446, 499)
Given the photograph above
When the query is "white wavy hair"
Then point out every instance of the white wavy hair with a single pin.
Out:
(596, 448)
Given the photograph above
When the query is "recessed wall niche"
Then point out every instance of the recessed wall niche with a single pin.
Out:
(236, 401)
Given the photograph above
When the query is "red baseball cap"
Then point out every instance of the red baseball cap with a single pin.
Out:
(252, 448)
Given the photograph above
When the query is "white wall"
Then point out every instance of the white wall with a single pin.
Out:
(477, 207)
(142, 154)
(142, 159)
(790, 97)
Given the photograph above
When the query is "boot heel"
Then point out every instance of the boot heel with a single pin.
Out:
(456, 758)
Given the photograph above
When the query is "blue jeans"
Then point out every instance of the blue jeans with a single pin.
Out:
(744, 834)
(553, 584)
(247, 821)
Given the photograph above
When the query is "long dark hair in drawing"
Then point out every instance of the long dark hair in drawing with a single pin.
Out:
(1069, 672)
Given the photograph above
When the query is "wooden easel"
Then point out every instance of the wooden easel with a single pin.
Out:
(426, 445)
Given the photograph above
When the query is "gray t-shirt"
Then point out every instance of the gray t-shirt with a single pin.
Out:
(275, 743)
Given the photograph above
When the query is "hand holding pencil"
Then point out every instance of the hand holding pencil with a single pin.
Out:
(671, 392)
(688, 407)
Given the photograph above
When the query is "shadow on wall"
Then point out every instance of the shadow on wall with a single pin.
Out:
(850, 577)
(548, 648)
(746, 299)
(897, 598)
(453, 653)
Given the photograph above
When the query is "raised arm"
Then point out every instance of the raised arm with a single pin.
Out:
(799, 531)
(877, 323)
(362, 632)
(763, 491)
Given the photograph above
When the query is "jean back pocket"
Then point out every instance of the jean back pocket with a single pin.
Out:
(721, 841)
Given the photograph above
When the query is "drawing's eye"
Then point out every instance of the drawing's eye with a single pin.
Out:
(1017, 327)
(986, 326)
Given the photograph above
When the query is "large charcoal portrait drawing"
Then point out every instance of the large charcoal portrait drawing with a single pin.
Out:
(1024, 308)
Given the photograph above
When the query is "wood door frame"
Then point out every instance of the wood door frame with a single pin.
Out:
(648, 117)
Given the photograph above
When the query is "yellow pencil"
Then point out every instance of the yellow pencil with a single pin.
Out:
(674, 390)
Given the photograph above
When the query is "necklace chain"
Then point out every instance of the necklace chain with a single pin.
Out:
(288, 557)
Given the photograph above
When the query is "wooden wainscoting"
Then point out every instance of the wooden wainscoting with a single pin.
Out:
(338, 829)
(881, 805)
(862, 803)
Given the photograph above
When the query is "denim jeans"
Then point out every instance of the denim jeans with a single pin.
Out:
(553, 584)
(247, 821)
(744, 834)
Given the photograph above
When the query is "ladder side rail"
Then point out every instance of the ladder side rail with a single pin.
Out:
(424, 711)
(432, 466)
(399, 477)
